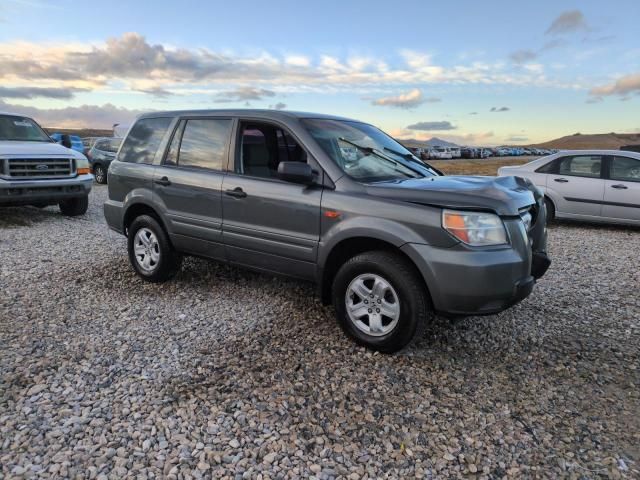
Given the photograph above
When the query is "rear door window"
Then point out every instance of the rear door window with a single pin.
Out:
(204, 144)
(143, 140)
(625, 169)
(581, 166)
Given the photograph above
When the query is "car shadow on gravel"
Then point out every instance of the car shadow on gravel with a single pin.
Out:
(11, 217)
(569, 225)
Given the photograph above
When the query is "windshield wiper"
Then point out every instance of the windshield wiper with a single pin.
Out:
(412, 157)
(369, 150)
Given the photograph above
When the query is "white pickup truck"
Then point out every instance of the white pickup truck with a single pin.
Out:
(35, 170)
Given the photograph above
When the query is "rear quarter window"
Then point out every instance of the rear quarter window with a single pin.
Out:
(143, 140)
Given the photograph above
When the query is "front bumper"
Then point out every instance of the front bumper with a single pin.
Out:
(480, 281)
(50, 192)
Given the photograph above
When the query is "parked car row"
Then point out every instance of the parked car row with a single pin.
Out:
(389, 240)
(518, 151)
(445, 153)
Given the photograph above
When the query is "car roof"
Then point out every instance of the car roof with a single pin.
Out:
(13, 114)
(597, 152)
(247, 112)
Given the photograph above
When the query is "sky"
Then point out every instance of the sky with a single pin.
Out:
(476, 73)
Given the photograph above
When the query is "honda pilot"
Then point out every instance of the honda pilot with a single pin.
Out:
(386, 238)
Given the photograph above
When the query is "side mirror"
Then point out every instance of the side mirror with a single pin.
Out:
(65, 141)
(295, 172)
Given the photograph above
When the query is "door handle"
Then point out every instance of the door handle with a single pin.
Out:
(236, 193)
(561, 180)
(164, 181)
(619, 187)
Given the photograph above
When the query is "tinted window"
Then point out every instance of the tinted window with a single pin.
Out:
(143, 140)
(625, 168)
(581, 166)
(110, 145)
(550, 167)
(204, 144)
(263, 146)
(172, 154)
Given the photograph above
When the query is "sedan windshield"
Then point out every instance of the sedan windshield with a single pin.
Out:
(364, 152)
(21, 129)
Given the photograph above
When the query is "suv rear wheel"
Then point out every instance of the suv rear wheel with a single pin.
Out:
(74, 206)
(150, 252)
(380, 301)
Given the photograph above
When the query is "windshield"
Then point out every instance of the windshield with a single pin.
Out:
(109, 145)
(21, 129)
(364, 152)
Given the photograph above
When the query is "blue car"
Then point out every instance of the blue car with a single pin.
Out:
(76, 142)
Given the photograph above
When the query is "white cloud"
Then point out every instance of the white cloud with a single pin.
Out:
(130, 60)
(623, 87)
(534, 67)
(410, 99)
(85, 116)
(298, 61)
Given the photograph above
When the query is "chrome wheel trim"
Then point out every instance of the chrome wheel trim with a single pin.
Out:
(372, 304)
(99, 174)
(146, 249)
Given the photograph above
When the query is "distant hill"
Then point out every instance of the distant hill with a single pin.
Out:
(81, 132)
(602, 141)
(432, 142)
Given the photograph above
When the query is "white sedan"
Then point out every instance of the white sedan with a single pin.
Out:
(591, 185)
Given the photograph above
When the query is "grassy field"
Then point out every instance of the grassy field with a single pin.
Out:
(487, 166)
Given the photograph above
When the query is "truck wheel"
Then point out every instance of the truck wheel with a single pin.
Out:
(150, 252)
(100, 173)
(74, 206)
(380, 301)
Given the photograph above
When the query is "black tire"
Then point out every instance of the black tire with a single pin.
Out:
(100, 173)
(74, 206)
(551, 210)
(415, 311)
(169, 261)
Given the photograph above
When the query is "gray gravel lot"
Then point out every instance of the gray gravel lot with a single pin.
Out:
(227, 374)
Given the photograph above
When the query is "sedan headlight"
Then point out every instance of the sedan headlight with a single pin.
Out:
(475, 228)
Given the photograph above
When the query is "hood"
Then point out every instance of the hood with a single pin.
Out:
(502, 195)
(36, 148)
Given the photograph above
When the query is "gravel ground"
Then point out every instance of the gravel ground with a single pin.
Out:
(227, 374)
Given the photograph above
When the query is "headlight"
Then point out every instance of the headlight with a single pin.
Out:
(474, 228)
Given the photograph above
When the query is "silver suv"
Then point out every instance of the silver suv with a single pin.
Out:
(386, 237)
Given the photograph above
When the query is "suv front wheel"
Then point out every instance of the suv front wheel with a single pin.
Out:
(150, 252)
(380, 301)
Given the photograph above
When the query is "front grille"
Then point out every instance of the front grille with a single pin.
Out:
(26, 168)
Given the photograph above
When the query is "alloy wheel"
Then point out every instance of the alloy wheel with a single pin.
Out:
(146, 249)
(372, 304)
